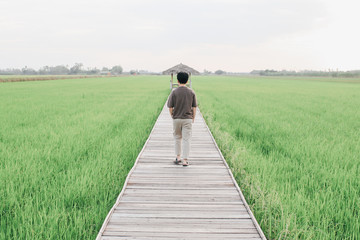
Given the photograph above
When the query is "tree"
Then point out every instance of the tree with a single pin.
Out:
(44, 70)
(219, 72)
(93, 71)
(28, 71)
(76, 69)
(206, 72)
(60, 70)
(116, 70)
(133, 72)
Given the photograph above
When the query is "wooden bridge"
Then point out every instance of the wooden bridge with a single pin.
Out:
(161, 200)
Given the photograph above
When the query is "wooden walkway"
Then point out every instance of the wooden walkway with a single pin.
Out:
(161, 200)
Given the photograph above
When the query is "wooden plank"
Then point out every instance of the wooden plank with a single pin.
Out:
(192, 158)
(179, 228)
(180, 214)
(208, 174)
(190, 202)
(155, 235)
(193, 153)
(180, 187)
(194, 149)
(179, 198)
(184, 175)
(177, 178)
(240, 223)
(182, 182)
(182, 192)
(170, 163)
(172, 238)
(167, 166)
(182, 170)
(171, 156)
(179, 206)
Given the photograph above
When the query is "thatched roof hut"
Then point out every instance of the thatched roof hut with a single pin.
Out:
(180, 68)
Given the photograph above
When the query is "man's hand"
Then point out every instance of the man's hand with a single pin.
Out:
(171, 111)
(194, 113)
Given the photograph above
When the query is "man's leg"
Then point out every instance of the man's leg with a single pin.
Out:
(186, 137)
(177, 137)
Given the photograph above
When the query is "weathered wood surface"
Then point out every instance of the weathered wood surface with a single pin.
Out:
(161, 200)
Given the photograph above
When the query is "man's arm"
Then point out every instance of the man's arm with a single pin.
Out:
(194, 113)
(171, 111)
(170, 104)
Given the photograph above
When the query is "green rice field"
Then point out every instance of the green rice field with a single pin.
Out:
(66, 147)
(294, 147)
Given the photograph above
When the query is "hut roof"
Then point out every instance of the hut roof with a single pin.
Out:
(181, 68)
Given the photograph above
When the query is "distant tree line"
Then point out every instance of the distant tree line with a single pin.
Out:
(76, 69)
(309, 73)
(220, 72)
(217, 72)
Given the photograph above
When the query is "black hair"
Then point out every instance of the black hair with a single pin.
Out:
(182, 77)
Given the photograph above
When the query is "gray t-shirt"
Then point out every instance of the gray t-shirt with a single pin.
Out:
(182, 99)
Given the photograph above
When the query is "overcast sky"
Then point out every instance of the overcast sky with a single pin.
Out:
(235, 36)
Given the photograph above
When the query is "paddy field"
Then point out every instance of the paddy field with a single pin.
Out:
(66, 147)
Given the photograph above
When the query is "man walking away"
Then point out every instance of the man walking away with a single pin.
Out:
(182, 106)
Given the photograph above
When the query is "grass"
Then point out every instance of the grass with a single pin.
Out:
(66, 148)
(293, 146)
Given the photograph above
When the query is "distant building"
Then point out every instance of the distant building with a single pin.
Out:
(180, 68)
(108, 73)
